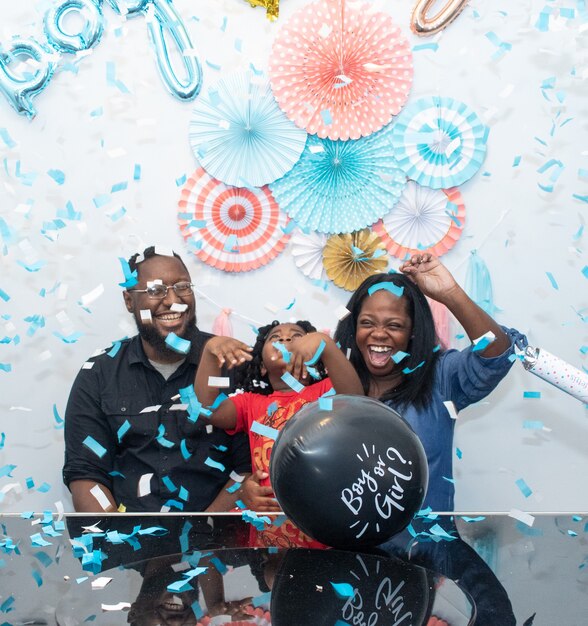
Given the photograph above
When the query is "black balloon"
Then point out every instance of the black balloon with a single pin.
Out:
(386, 590)
(349, 477)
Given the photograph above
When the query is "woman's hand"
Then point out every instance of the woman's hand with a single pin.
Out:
(430, 275)
(256, 497)
(229, 351)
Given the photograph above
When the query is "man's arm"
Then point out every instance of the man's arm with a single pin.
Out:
(91, 497)
(89, 448)
(225, 501)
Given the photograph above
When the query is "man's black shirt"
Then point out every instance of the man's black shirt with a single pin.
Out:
(162, 440)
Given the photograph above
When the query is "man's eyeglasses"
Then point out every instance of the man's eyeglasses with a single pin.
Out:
(158, 291)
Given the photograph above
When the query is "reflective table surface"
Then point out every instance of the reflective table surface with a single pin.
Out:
(219, 569)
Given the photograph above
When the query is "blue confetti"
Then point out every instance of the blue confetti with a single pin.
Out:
(169, 484)
(186, 454)
(317, 355)
(119, 187)
(120, 433)
(325, 404)
(6, 138)
(399, 355)
(262, 599)
(234, 487)
(57, 175)
(112, 80)
(231, 244)
(178, 344)
(522, 485)
(343, 590)
(407, 370)
(388, 286)
(137, 172)
(214, 464)
(181, 180)
(532, 394)
(281, 348)
(533, 425)
(327, 119)
(161, 440)
(5, 471)
(130, 277)
(101, 200)
(292, 382)
(426, 46)
(264, 431)
(72, 338)
(552, 280)
(59, 421)
(91, 443)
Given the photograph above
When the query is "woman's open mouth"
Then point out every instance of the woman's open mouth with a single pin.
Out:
(379, 355)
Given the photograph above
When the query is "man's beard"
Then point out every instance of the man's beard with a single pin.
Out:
(157, 341)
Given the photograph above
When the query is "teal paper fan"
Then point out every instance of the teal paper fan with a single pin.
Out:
(240, 135)
(341, 186)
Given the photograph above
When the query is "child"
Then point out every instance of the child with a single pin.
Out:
(282, 351)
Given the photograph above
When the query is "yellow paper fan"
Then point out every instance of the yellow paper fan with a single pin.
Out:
(351, 257)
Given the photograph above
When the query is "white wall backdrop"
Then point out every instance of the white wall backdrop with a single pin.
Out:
(95, 133)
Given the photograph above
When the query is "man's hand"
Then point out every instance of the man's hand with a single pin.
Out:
(256, 497)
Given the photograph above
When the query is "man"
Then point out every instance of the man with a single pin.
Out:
(131, 442)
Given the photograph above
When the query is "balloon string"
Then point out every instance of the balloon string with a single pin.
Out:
(201, 294)
(488, 234)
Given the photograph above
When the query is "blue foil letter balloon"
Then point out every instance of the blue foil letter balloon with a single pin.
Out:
(167, 19)
(90, 33)
(20, 90)
(162, 17)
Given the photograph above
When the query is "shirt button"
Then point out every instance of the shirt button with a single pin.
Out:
(123, 408)
(165, 457)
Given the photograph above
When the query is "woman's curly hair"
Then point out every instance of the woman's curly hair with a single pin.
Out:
(249, 377)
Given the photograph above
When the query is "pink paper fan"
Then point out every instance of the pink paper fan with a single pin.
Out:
(340, 70)
(423, 219)
(234, 229)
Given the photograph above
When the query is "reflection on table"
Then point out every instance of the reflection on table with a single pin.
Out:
(201, 570)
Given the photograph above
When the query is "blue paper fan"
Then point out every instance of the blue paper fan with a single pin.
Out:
(439, 142)
(341, 186)
(241, 136)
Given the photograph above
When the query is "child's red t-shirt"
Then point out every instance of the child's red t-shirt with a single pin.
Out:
(253, 407)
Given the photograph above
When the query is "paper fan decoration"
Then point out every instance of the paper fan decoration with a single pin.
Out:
(439, 142)
(240, 135)
(423, 219)
(230, 228)
(307, 251)
(341, 186)
(340, 70)
(350, 258)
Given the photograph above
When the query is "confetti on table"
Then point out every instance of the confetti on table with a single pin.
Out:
(343, 590)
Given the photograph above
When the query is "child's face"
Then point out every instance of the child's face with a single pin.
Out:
(284, 334)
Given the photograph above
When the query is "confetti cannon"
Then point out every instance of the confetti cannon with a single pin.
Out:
(556, 371)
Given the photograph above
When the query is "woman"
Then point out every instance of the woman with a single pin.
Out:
(393, 345)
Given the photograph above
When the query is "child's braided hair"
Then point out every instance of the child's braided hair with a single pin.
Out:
(249, 377)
